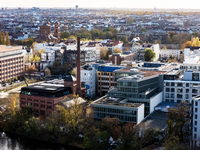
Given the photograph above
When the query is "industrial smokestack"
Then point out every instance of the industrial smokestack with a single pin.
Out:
(78, 88)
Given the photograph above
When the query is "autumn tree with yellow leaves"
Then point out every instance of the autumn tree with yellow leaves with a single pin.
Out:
(193, 43)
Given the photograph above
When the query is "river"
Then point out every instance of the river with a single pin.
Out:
(12, 142)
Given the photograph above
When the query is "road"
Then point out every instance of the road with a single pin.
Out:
(15, 90)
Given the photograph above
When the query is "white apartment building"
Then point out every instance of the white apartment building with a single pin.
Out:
(166, 53)
(191, 56)
(92, 53)
(195, 67)
(48, 56)
(182, 90)
(139, 51)
(196, 122)
(88, 75)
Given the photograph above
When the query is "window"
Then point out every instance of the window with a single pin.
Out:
(49, 107)
(196, 103)
(42, 106)
(36, 105)
(167, 89)
(180, 84)
(179, 90)
(195, 136)
(167, 95)
(195, 116)
(179, 96)
(167, 84)
(195, 123)
(195, 129)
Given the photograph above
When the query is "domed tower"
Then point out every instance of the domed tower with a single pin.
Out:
(57, 30)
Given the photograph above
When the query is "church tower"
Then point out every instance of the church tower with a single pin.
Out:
(57, 30)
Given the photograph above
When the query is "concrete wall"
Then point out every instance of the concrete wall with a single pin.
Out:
(140, 113)
(154, 101)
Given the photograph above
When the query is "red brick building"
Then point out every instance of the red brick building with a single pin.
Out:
(117, 58)
(44, 97)
(45, 31)
(46, 35)
(11, 62)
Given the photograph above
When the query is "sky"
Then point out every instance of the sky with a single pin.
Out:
(161, 4)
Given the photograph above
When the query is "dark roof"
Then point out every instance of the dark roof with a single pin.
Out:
(70, 78)
(46, 88)
(155, 120)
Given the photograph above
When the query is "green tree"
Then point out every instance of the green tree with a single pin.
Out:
(64, 35)
(96, 139)
(124, 40)
(149, 54)
(178, 120)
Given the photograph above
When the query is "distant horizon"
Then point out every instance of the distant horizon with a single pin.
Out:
(103, 4)
(111, 8)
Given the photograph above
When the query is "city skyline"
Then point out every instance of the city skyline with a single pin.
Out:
(177, 4)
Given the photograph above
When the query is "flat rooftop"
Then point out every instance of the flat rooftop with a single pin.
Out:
(45, 87)
(4, 48)
(151, 73)
(141, 76)
(116, 101)
(155, 120)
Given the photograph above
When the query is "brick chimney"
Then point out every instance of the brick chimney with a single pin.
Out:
(78, 88)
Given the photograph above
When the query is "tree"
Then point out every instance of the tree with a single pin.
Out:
(73, 73)
(32, 19)
(7, 39)
(195, 42)
(124, 39)
(64, 27)
(130, 20)
(35, 58)
(149, 54)
(178, 121)
(64, 35)
(186, 44)
(143, 30)
(31, 70)
(164, 47)
(117, 50)
(126, 49)
(28, 42)
(96, 139)
(104, 53)
(47, 72)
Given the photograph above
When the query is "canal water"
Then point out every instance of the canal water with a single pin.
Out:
(12, 142)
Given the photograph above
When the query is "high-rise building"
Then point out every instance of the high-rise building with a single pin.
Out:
(11, 62)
